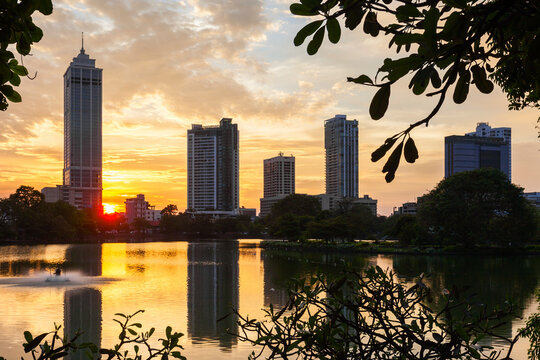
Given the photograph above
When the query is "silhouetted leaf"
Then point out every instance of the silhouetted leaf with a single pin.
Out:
(480, 80)
(35, 342)
(462, 88)
(371, 25)
(15, 80)
(353, 18)
(334, 30)
(28, 336)
(306, 31)
(362, 79)
(393, 161)
(435, 79)
(383, 149)
(410, 151)
(14, 97)
(379, 103)
(45, 6)
(316, 42)
(302, 10)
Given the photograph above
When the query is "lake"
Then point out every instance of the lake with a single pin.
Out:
(189, 285)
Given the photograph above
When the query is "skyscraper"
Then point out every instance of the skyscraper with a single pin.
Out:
(341, 145)
(82, 131)
(213, 167)
(486, 147)
(279, 181)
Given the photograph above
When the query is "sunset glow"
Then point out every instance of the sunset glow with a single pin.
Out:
(110, 208)
(169, 64)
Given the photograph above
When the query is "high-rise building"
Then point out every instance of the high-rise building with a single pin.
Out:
(486, 147)
(279, 175)
(82, 131)
(213, 164)
(279, 181)
(341, 145)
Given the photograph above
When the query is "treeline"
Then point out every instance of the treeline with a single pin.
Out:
(25, 215)
(202, 225)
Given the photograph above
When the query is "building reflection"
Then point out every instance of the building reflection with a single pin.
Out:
(82, 313)
(86, 258)
(212, 291)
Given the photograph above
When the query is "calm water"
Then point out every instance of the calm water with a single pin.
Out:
(191, 285)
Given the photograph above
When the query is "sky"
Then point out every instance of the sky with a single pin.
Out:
(169, 64)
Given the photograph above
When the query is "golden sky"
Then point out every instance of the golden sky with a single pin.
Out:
(168, 64)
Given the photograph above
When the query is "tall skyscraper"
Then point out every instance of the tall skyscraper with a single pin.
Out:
(486, 147)
(213, 167)
(341, 145)
(279, 181)
(82, 131)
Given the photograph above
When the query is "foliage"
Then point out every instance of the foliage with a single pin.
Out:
(297, 204)
(140, 224)
(17, 28)
(478, 207)
(532, 332)
(371, 315)
(134, 343)
(446, 43)
(169, 210)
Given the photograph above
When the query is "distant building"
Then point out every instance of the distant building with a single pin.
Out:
(213, 164)
(533, 197)
(328, 202)
(139, 208)
(279, 181)
(82, 131)
(269, 202)
(251, 212)
(408, 208)
(486, 147)
(64, 193)
(341, 147)
(367, 201)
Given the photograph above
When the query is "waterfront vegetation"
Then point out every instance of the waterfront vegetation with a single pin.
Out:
(472, 210)
(350, 315)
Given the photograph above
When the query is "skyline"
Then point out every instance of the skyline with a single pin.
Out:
(196, 62)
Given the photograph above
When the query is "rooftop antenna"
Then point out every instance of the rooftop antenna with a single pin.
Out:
(82, 42)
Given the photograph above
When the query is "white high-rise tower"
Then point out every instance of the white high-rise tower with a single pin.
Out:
(82, 131)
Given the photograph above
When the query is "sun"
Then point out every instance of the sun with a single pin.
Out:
(109, 208)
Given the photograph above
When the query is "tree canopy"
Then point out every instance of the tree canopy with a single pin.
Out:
(445, 45)
(478, 207)
(17, 28)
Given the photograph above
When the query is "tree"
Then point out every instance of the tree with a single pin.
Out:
(372, 315)
(17, 28)
(26, 197)
(140, 225)
(297, 204)
(169, 210)
(466, 41)
(478, 207)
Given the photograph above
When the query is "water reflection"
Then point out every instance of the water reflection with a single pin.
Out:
(82, 314)
(85, 258)
(212, 289)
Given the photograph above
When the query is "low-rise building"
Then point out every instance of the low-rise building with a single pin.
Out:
(64, 193)
(367, 201)
(533, 197)
(139, 208)
(268, 202)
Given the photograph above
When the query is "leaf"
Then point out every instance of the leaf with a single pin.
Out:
(302, 10)
(334, 30)
(316, 42)
(362, 79)
(404, 12)
(23, 46)
(15, 80)
(480, 80)
(37, 340)
(45, 6)
(371, 26)
(306, 31)
(392, 163)
(14, 97)
(19, 70)
(132, 332)
(151, 331)
(28, 336)
(379, 103)
(410, 151)
(353, 17)
(462, 88)
(383, 149)
(435, 79)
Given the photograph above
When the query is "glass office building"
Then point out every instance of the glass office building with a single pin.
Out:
(82, 131)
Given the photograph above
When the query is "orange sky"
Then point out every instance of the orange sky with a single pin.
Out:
(168, 64)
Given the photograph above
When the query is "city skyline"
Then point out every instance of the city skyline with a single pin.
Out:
(223, 67)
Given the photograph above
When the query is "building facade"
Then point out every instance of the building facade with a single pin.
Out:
(466, 153)
(83, 131)
(484, 130)
(63, 193)
(279, 181)
(341, 147)
(139, 208)
(213, 167)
